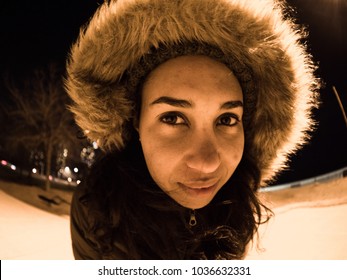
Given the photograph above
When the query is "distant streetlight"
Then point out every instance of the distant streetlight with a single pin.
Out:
(95, 145)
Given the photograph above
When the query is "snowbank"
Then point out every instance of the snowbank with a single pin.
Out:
(28, 233)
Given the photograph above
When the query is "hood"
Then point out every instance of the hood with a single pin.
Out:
(258, 34)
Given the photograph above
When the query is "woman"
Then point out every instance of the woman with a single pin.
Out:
(196, 105)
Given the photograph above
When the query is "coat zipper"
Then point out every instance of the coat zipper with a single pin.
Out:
(192, 220)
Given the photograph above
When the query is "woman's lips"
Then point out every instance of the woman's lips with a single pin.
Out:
(199, 188)
(199, 184)
(196, 187)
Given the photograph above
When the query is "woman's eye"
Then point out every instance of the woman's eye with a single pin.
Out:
(228, 120)
(172, 119)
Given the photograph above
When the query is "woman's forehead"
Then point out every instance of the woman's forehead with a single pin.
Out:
(192, 64)
(187, 74)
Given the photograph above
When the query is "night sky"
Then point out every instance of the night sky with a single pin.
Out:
(35, 33)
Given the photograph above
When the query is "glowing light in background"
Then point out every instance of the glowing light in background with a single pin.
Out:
(34, 170)
(8, 164)
(65, 152)
(95, 145)
(75, 169)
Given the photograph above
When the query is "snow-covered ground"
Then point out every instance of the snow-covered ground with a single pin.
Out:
(29, 233)
(310, 223)
(303, 234)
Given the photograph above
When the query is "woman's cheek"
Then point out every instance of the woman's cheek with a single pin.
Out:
(162, 146)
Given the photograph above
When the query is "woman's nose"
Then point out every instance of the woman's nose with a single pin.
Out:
(203, 155)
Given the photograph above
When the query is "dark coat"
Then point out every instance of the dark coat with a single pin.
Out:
(85, 246)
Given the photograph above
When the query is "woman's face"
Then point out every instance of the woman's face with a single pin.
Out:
(191, 128)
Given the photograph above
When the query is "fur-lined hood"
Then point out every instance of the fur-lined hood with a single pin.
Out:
(255, 33)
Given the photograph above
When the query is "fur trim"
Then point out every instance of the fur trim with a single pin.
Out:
(253, 32)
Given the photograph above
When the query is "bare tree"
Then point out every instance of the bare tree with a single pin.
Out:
(39, 118)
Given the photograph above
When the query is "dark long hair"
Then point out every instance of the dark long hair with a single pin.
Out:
(130, 209)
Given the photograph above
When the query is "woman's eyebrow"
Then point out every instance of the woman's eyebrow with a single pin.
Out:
(232, 104)
(172, 101)
(186, 104)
